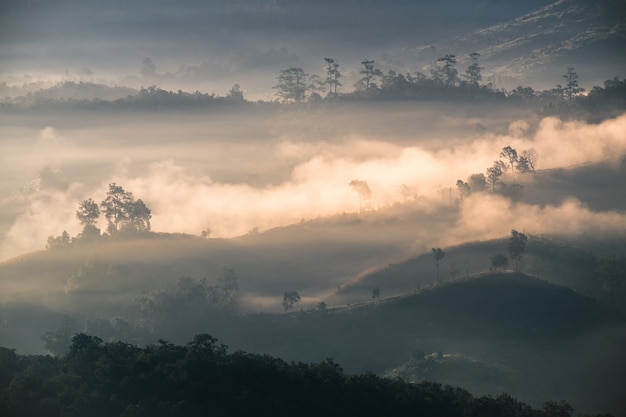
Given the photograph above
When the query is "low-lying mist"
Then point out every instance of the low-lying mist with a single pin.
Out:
(233, 174)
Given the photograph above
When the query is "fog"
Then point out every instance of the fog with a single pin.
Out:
(196, 174)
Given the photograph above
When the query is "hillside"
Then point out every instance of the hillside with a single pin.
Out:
(575, 33)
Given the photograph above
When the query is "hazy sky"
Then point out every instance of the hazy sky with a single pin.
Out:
(213, 43)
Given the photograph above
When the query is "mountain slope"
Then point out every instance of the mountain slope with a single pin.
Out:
(587, 35)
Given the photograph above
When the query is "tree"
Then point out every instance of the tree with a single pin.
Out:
(517, 246)
(235, 93)
(376, 293)
(477, 182)
(363, 191)
(123, 212)
(447, 72)
(531, 157)
(438, 254)
(571, 86)
(494, 173)
(332, 75)
(62, 241)
(88, 212)
(464, 188)
(369, 75)
(292, 85)
(510, 154)
(472, 73)
(289, 299)
(139, 216)
(611, 272)
(523, 165)
(499, 261)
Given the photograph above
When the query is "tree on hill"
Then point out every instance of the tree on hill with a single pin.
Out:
(517, 246)
(376, 293)
(531, 156)
(289, 299)
(571, 86)
(494, 173)
(123, 212)
(292, 85)
(88, 213)
(362, 189)
(438, 254)
(370, 74)
(446, 73)
(511, 155)
(499, 261)
(62, 241)
(332, 75)
(473, 71)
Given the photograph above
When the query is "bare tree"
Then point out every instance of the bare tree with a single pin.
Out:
(438, 254)
(363, 191)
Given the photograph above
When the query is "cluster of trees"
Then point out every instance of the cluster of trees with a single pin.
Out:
(295, 85)
(523, 162)
(516, 247)
(120, 379)
(124, 214)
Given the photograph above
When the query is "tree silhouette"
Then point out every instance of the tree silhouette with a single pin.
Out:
(531, 156)
(292, 85)
(332, 75)
(472, 73)
(376, 293)
(363, 191)
(511, 155)
(438, 254)
(499, 261)
(447, 73)
(494, 173)
(571, 86)
(517, 246)
(289, 299)
(369, 74)
(123, 212)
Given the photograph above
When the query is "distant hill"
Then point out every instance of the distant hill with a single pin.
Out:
(534, 46)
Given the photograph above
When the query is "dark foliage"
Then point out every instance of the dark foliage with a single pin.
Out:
(119, 379)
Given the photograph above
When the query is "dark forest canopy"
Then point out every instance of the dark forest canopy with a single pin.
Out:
(119, 379)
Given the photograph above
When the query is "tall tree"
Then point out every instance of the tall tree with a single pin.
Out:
(511, 155)
(494, 173)
(531, 156)
(88, 212)
(292, 85)
(447, 72)
(363, 191)
(438, 254)
(473, 71)
(571, 85)
(370, 74)
(123, 212)
(517, 246)
(333, 74)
